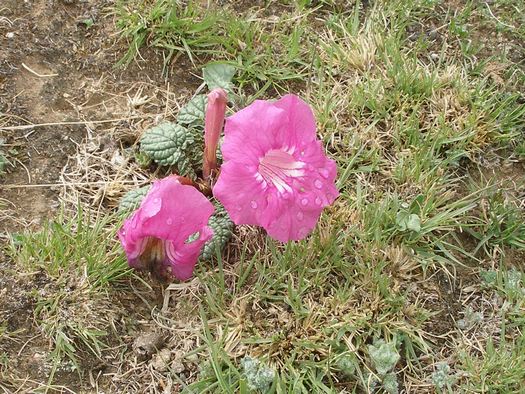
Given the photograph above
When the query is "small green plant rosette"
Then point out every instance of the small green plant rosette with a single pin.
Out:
(258, 375)
(384, 356)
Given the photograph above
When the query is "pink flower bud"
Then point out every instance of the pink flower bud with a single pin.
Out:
(214, 120)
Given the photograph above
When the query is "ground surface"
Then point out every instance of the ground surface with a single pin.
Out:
(420, 103)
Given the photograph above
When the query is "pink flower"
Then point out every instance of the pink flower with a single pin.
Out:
(275, 172)
(215, 110)
(166, 234)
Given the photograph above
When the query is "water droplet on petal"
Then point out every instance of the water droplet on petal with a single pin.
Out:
(169, 222)
(318, 184)
(239, 208)
(303, 231)
(318, 201)
(304, 201)
(156, 200)
(300, 215)
(324, 173)
(253, 204)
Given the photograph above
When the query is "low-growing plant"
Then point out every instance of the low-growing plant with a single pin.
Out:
(282, 176)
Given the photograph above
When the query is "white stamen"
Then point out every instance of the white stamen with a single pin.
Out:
(277, 166)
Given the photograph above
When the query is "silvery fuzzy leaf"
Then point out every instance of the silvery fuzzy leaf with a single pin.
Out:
(170, 144)
(166, 143)
(132, 199)
(384, 356)
(222, 227)
(193, 111)
(219, 75)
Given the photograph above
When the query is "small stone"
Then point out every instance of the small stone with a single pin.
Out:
(177, 366)
(147, 344)
(161, 360)
(433, 34)
(10, 35)
(192, 358)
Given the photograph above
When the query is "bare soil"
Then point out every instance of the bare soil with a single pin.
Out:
(54, 68)
(58, 87)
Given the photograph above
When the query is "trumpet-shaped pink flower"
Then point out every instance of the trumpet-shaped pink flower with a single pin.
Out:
(166, 234)
(275, 173)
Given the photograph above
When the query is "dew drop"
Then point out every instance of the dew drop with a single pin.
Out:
(300, 215)
(169, 222)
(239, 208)
(304, 201)
(302, 232)
(318, 201)
(324, 173)
(253, 204)
(318, 184)
(156, 200)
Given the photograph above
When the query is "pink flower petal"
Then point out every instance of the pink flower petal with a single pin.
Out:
(275, 172)
(156, 236)
(263, 120)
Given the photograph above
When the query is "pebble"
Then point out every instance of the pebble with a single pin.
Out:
(147, 344)
(161, 360)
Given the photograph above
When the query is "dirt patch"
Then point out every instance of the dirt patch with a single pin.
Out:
(60, 90)
(63, 73)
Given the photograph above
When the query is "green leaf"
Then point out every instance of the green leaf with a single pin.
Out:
(406, 221)
(165, 143)
(219, 76)
(88, 22)
(414, 223)
(258, 376)
(417, 204)
(489, 277)
(222, 227)
(132, 199)
(3, 162)
(384, 356)
(390, 383)
(169, 144)
(193, 111)
(401, 219)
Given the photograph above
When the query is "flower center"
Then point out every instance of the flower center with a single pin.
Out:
(153, 250)
(277, 166)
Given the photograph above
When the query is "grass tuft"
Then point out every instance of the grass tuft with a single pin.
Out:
(77, 262)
